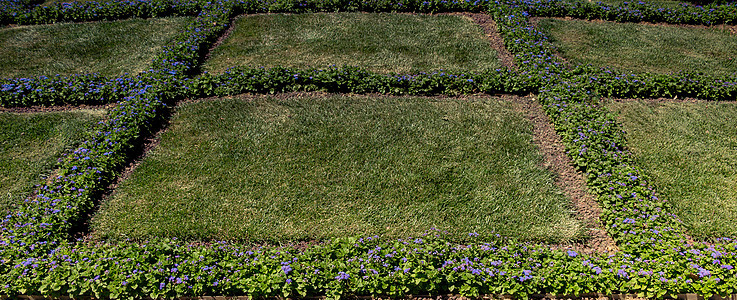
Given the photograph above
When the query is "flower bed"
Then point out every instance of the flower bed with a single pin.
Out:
(37, 256)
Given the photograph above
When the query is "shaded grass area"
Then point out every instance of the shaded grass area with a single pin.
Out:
(690, 151)
(30, 144)
(276, 170)
(108, 48)
(380, 42)
(644, 48)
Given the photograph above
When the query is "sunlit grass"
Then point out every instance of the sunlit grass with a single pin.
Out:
(276, 170)
(690, 151)
(380, 42)
(644, 48)
(108, 48)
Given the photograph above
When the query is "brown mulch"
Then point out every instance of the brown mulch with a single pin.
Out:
(222, 38)
(492, 34)
(55, 108)
(568, 179)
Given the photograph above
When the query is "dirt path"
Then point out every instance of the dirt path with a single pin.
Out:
(568, 179)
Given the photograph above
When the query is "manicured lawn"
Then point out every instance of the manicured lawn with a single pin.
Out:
(690, 151)
(381, 42)
(31, 143)
(644, 48)
(274, 170)
(108, 48)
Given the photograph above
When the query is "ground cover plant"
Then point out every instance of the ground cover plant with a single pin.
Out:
(658, 3)
(30, 145)
(313, 168)
(689, 149)
(644, 48)
(108, 48)
(382, 43)
(61, 2)
(656, 258)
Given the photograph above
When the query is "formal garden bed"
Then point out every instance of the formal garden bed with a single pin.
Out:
(656, 258)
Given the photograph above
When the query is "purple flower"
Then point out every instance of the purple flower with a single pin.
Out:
(704, 273)
(572, 253)
(342, 276)
(286, 269)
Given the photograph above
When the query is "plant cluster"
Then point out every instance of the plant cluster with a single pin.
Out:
(634, 11)
(97, 11)
(37, 255)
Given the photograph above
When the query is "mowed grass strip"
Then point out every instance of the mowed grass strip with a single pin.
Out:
(30, 144)
(276, 170)
(108, 48)
(385, 43)
(690, 151)
(644, 48)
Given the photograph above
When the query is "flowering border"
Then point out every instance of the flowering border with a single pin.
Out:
(37, 257)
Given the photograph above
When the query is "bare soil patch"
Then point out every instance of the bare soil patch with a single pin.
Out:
(54, 108)
(568, 179)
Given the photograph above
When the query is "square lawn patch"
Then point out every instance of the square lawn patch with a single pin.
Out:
(690, 152)
(384, 43)
(108, 48)
(311, 168)
(643, 47)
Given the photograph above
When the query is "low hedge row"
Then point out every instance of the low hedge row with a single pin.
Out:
(37, 257)
(631, 11)
(98, 11)
(368, 266)
(18, 12)
(93, 89)
(610, 83)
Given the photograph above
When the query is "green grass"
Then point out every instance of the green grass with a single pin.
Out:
(270, 170)
(644, 48)
(380, 42)
(690, 151)
(108, 48)
(30, 143)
